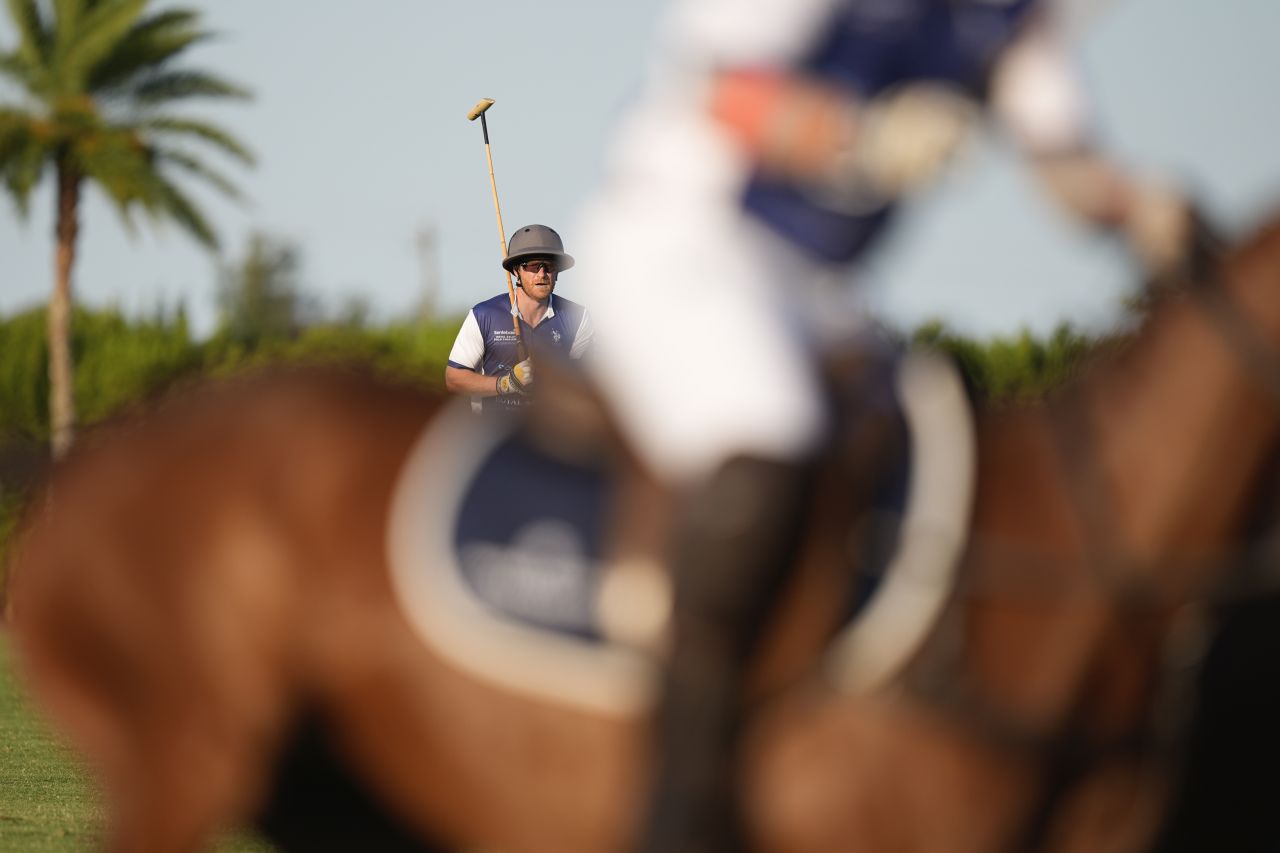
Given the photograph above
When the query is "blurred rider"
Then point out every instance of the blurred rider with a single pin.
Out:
(770, 147)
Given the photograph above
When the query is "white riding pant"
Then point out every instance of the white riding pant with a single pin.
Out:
(706, 326)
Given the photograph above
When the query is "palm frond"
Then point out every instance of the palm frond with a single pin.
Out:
(13, 66)
(33, 39)
(130, 176)
(18, 128)
(118, 162)
(66, 23)
(34, 79)
(14, 124)
(23, 158)
(175, 85)
(11, 118)
(201, 130)
(125, 210)
(101, 30)
(165, 21)
(75, 55)
(152, 42)
(176, 206)
(194, 166)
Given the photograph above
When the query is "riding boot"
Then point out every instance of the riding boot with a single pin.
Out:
(737, 540)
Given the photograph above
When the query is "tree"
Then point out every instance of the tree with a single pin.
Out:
(260, 297)
(98, 78)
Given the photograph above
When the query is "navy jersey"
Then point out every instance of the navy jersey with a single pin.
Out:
(487, 343)
(871, 46)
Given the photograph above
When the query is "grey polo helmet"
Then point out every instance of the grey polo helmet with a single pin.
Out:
(536, 241)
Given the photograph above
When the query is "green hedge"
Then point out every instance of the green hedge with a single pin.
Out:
(121, 360)
(410, 350)
(1020, 367)
(117, 361)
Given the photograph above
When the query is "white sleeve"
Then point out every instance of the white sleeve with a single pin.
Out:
(585, 337)
(468, 347)
(1037, 94)
(717, 33)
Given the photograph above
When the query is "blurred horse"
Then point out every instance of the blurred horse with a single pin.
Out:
(204, 600)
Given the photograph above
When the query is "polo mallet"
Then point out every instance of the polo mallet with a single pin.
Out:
(478, 111)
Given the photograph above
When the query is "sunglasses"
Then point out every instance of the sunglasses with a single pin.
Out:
(536, 267)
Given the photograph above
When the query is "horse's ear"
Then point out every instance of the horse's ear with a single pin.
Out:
(1264, 244)
(1199, 260)
(1206, 247)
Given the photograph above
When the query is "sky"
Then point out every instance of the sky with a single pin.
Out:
(368, 164)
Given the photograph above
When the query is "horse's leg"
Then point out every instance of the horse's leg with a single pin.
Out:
(455, 760)
(881, 774)
(876, 773)
(886, 769)
(1118, 808)
(207, 574)
(160, 650)
(159, 594)
(461, 760)
(467, 763)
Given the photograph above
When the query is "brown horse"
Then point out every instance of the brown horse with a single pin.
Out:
(207, 586)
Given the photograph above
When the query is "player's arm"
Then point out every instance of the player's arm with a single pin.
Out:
(585, 336)
(1037, 96)
(461, 374)
(821, 133)
(464, 380)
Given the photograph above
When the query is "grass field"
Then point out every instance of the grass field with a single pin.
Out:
(47, 803)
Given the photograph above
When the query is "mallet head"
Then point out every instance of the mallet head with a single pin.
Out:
(479, 109)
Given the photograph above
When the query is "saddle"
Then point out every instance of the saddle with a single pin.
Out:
(531, 550)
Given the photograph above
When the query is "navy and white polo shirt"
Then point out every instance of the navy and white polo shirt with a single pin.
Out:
(870, 46)
(486, 343)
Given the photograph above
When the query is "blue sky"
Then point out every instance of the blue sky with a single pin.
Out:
(359, 123)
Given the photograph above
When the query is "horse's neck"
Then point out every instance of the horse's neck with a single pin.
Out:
(1179, 424)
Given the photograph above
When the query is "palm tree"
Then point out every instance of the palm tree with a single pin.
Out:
(97, 77)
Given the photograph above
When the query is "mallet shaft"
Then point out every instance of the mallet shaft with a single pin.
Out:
(478, 111)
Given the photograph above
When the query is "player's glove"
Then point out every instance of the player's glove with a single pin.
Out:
(517, 380)
(845, 152)
(1160, 227)
(895, 145)
(906, 137)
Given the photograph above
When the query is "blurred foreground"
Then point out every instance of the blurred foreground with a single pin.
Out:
(46, 800)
